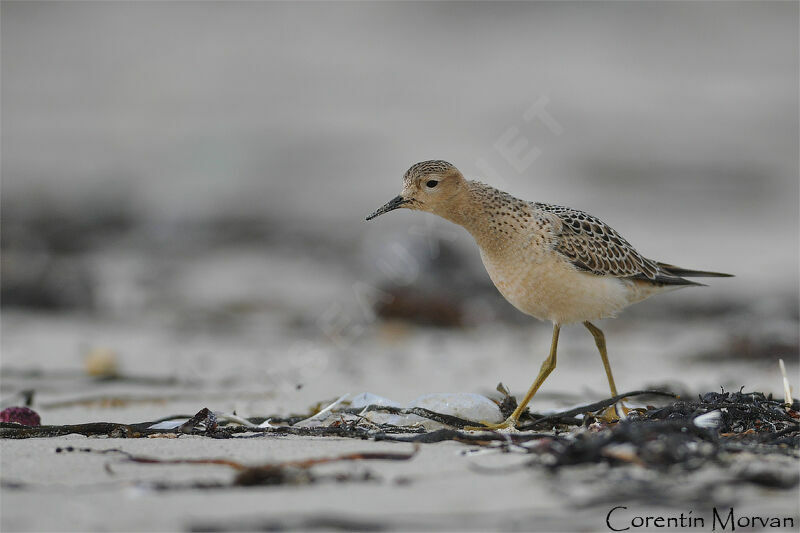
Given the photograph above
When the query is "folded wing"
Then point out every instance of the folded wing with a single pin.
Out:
(593, 246)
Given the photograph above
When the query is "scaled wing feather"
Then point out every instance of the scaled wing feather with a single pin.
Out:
(592, 245)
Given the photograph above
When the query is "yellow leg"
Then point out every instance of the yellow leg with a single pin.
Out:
(600, 340)
(548, 366)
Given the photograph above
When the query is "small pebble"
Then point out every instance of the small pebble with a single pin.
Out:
(20, 415)
(101, 363)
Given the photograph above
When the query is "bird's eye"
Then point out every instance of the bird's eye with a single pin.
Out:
(432, 183)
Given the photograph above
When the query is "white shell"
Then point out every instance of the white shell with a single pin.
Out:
(463, 405)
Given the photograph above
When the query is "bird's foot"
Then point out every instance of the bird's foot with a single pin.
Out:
(508, 423)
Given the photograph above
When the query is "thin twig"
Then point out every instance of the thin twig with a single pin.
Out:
(303, 463)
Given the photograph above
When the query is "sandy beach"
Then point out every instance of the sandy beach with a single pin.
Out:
(184, 187)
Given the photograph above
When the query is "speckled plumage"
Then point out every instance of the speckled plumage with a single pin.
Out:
(423, 168)
(551, 262)
(593, 246)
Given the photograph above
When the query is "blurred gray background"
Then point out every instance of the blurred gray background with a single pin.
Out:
(185, 185)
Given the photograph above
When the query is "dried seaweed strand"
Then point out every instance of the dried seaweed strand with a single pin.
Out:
(591, 407)
(153, 460)
(467, 438)
(303, 463)
(448, 420)
(17, 431)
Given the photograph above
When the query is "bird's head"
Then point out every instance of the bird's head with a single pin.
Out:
(431, 186)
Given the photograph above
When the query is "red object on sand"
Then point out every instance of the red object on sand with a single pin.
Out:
(20, 415)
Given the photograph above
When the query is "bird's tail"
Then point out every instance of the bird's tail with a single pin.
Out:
(685, 272)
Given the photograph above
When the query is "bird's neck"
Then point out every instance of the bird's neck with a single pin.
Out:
(480, 210)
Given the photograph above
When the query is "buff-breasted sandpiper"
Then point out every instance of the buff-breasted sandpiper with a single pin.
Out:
(551, 262)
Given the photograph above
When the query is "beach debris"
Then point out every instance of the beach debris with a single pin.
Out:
(650, 444)
(473, 407)
(426, 308)
(508, 403)
(722, 431)
(324, 413)
(174, 423)
(279, 473)
(738, 412)
(787, 388)
(430, 411)
(570, 416)
(204, 422)
(711, 419)
(20, 415)
(235, 419)
(345, 417)
(92, 429)
(768, 474)
(101, 362)
(684, 433)
(433, 411)
(169, 424)
(303, 522)
(366, 399)
(272, 474)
